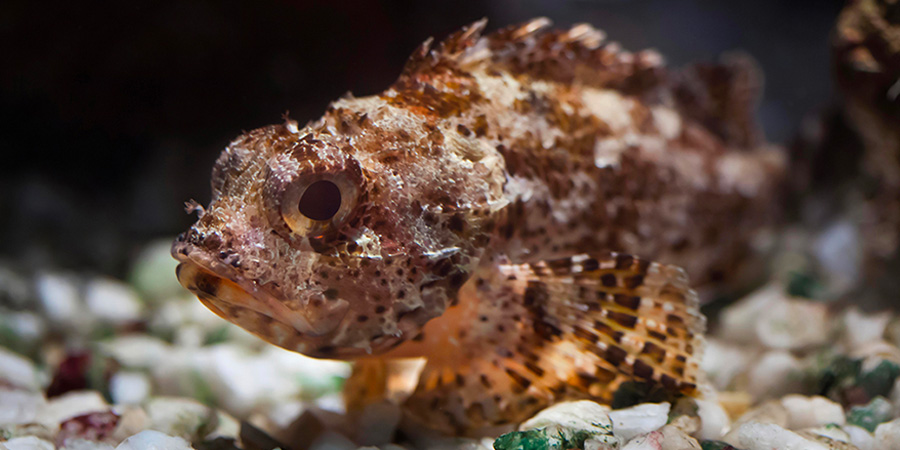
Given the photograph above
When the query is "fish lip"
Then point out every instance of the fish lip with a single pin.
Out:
(266, 303)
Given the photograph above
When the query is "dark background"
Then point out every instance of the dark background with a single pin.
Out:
(111, 113)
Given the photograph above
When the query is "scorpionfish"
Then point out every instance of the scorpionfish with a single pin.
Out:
(497, 211)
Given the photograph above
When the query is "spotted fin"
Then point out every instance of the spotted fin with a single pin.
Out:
(525, 336)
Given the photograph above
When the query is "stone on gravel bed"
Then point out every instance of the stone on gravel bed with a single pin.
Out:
(768, 436)
(574, 421)
(27, 443)
(776, 373)
(70, 405)
(154, 440)
(806, 412)
(860, 437)
(18, 371)
(20, 407)
(640, 419)
(887, 436)
(153, 272)
(112, 301)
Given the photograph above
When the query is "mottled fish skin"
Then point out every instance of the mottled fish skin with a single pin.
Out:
(493, 156)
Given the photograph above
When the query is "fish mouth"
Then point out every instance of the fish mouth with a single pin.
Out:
(214, 285)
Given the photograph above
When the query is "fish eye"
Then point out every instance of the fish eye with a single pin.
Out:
(316, 205)
(320, 201)
(308, 196)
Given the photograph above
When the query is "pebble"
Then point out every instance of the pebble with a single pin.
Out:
(806, 412)
(27, 443)
(637, 420)
(185, 418)
(738, 321)
(860, 328)
(833, 432)
(722, 362)
(579, 415)
(775, 374)
(838, 251)
(154, 440)
(714, 420)
(568, 418)
(18, 371)
(887, 436)
(153, 272)
(26, 327)
(60, 301)
(129, 388)
(649, 441)
(793, 324)
(860, 437)
(20, 407)
(768, 436)
(674, 438)
(71, 404)
(83, 444)
(112, 301)
(138, 351)
(769, 412)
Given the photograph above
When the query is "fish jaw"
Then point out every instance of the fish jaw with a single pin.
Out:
(262, 310)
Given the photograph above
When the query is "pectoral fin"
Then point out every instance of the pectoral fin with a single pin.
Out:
(525, 336)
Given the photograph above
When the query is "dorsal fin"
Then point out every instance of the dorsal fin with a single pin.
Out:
(579, 55)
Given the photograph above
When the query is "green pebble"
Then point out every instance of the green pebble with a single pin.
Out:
(871, 415)
(524, 440)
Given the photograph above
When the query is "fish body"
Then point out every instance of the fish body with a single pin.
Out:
(481, 212)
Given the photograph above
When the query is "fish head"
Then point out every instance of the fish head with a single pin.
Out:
(320, 242)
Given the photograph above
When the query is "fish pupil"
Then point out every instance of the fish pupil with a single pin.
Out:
(320, 201)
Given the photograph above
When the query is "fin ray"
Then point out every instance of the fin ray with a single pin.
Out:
(525, 336)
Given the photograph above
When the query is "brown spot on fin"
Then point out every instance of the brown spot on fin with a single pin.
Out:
(525, 336)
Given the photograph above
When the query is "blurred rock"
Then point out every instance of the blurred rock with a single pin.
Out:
(806, 412)
(838, 251)
(181, 417)
(722, 362)
(61, 302)
(713, 419)
(887, 436)
(17, 371)
(871, 415)
(27, 443)
(153, 440)
(738, 321)
(71, 405)
(112, 301)
(640, 419)
(20, 407)
(776, 373)
(153, 272)
(860, 437)
(571, 418)
(793, 324)
(768, 436)
(129, 388)
(860, 328)
(673, 438)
